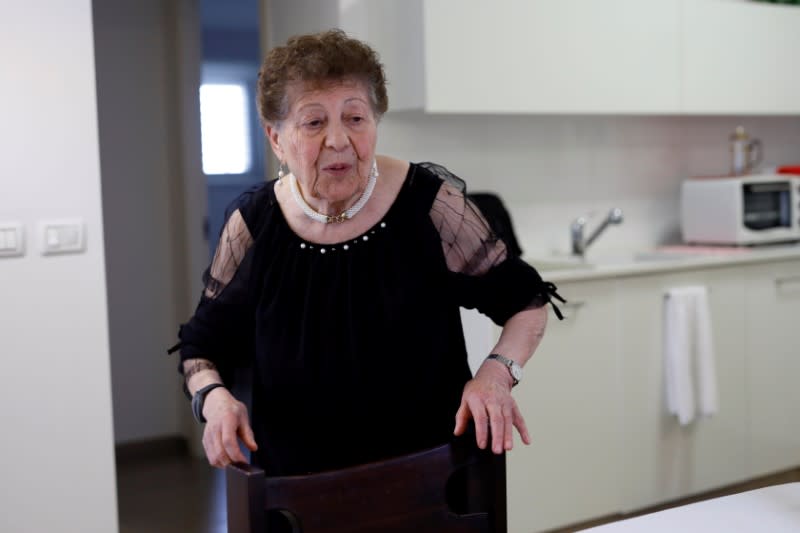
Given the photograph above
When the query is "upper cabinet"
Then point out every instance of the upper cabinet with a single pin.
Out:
(584, 56)
(550, 56)
(740, 57)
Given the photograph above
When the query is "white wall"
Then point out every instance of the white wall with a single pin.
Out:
(56, 451)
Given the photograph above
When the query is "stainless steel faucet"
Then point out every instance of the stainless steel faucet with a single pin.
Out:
(579, 243)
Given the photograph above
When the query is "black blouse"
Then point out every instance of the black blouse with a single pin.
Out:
(355, 349)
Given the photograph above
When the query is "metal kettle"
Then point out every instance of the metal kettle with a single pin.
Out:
(746, 153)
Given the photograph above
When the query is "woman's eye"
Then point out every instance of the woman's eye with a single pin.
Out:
(314, 123)
(356, 119)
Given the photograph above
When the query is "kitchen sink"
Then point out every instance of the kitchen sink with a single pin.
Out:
(550, 264)
(594, 261)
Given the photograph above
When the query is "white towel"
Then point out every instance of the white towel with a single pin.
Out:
(691, 378)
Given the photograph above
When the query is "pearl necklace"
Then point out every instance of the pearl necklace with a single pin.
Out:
(344, 215)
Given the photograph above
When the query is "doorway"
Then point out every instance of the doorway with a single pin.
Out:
(234, 152)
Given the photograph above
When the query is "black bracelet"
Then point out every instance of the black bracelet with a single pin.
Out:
(199, 399)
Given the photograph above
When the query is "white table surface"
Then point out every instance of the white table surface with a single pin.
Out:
(774, 509)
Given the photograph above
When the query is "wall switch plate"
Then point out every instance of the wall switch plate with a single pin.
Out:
(12, 239)
(63, 236)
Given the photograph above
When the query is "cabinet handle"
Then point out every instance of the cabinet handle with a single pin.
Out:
(790, 283)
(570, 308)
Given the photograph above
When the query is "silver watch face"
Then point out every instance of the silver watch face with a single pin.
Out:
(516, 371)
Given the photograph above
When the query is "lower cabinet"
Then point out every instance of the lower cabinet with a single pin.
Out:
(594, 399)
(569, 398)
(665, 460)
(773, 365)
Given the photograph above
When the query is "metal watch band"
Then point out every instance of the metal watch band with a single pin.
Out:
(199, 399)
(513, 367)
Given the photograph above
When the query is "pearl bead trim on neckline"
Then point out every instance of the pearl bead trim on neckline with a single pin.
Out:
(346, 246)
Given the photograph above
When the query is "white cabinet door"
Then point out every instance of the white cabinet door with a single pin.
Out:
(584, 56)
(394, 29)
(569, 398)
(551, 56)
(773, 358)
(740, 57)
(662, 459)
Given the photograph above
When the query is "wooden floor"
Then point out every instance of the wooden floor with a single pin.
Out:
(170, 495)
(173, 493)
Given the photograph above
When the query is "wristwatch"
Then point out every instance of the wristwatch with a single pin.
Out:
(513, 367)
(199, 399)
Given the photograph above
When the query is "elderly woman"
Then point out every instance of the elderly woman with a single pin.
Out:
(338, 287)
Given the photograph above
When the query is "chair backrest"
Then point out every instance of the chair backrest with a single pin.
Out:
(454, 488)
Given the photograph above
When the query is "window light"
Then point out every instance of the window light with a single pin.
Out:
(224, 129)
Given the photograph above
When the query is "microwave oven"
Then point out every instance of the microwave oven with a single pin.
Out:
(741, 210)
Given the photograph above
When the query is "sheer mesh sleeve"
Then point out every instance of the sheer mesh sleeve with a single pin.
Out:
(470, 246)
(234, 242)
(484, 274)
(220, 329)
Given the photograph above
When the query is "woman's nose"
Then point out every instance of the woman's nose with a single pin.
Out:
(337, 137)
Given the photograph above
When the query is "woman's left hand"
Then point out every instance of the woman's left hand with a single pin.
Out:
(487, 400)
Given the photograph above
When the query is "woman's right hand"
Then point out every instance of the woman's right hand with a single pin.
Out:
(226, 424)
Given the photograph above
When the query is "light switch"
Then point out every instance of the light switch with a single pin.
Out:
(70, 236)
(64, 236)
(12, 239)
(52, 238)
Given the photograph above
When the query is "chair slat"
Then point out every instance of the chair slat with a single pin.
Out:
(453, 488)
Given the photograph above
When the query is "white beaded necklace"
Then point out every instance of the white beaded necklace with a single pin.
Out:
(344, 215)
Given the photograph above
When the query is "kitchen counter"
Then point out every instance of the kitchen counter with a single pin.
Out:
(665, 259)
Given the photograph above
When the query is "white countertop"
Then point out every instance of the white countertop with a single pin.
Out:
(774, 509)
(554, 268)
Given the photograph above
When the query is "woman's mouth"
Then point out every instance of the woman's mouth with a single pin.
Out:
(338, 168)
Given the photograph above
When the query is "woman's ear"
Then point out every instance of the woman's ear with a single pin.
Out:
(274, 136)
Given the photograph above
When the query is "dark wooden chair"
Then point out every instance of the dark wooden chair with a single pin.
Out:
(453, 488)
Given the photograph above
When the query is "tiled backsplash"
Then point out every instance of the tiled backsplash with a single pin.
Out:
(551, 169)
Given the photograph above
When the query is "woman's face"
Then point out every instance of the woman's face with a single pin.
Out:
(327, 139)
